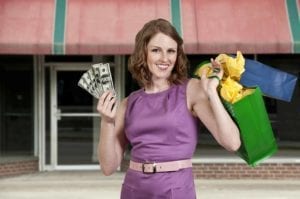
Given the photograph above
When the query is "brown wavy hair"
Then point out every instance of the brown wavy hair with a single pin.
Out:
(137, 63)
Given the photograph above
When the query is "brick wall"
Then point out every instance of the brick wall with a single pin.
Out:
(241, 170)
(201, 170)
(18, 167)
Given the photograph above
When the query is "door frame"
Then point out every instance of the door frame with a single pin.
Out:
(119, 83)
(54, 68)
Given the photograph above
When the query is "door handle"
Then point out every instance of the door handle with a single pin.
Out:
(58, 114)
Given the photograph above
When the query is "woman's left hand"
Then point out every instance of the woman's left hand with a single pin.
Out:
(212, 82)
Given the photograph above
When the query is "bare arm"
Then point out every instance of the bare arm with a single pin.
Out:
(206, 104)
(112, 140)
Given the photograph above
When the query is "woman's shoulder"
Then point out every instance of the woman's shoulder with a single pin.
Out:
(195, 90)
(193, 85)
(135, 94)
(193, 81)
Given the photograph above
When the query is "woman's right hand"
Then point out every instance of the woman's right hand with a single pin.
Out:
(107, 107)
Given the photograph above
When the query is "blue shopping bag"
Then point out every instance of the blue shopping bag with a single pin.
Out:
(273, 83)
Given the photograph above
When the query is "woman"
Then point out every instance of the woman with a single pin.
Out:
(160, 120)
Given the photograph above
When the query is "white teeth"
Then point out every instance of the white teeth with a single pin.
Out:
(162, 66)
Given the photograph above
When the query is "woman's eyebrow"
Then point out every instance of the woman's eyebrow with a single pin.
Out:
(154, 46)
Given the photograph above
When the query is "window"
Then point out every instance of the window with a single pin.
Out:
(16, 105)
(285, 116)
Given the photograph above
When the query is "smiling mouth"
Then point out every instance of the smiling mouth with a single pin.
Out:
(162, 66)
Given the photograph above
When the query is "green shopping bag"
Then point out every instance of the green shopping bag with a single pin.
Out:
(257, 138)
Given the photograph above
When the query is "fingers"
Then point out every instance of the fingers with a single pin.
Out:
(102, 100)
(217, 68)
(212, 77)
(204, 73)
(106, 103)
(215, 77)
(107, 107)
(114, 106)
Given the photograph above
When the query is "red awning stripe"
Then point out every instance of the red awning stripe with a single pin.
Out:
(189, 26)
(109, 27)
(250, 26)
(26, 26)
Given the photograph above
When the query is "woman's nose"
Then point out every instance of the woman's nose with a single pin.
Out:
(164, 56)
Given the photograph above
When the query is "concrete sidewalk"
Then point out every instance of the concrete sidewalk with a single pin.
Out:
(92, 185)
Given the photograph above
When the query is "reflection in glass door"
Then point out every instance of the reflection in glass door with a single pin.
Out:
(75, 122)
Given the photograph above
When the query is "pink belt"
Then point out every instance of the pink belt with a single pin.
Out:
(160, 166)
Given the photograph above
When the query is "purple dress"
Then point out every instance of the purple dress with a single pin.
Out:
(160, 128)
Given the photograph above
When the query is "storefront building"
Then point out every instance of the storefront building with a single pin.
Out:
(49, 123)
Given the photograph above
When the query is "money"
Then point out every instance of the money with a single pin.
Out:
(97, 80)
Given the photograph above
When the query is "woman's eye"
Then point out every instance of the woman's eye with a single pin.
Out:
(172, 51)
(155, 50)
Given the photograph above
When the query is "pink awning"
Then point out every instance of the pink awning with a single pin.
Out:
(109, 27)
(26, 27)
(227, 26)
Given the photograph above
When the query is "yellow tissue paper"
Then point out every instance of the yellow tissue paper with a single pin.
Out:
(233, 67)
(204, 65)
(230, 89)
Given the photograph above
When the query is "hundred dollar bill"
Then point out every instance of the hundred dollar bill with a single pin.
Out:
(94, 82)
(83, 84)
(105, 78)
(97, 80)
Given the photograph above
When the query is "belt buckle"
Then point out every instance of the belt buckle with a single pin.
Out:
(153, 167)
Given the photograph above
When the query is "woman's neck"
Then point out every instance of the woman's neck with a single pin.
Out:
(157, 86)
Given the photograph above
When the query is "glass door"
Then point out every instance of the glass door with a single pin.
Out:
(74, 121)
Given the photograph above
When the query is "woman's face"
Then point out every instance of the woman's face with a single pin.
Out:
(161, 56)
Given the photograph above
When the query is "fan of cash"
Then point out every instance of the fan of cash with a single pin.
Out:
(97, 80)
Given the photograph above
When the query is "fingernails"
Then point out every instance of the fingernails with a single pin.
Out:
(216, 70)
